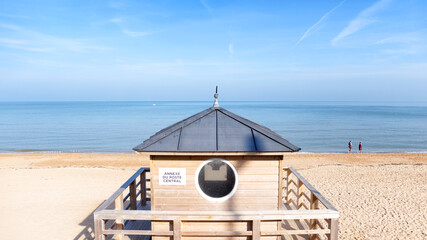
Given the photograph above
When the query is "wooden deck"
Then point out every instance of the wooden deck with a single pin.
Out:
(139, 225)
(305, 214)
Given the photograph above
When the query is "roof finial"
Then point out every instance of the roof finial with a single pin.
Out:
(216, 104)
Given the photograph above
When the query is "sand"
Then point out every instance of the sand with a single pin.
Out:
(53, 196)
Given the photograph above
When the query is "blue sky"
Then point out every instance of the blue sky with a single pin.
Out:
(349, 50)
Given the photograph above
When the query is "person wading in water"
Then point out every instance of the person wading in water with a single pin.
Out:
(350, 144)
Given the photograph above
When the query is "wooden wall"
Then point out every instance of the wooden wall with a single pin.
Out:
(258, 189)
(258, 186)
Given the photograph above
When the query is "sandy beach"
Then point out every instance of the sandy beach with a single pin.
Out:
(53, 196)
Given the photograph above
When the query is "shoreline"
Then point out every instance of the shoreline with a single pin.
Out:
(133, 160)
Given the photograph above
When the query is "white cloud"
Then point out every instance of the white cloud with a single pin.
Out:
(205, 5)
(231, 49)
(405, 38)
(116, 20)
(10, 27)
(29, 49)
(177, 63)
(135, 33)
(365, 18)
(118, 4)
(12, 41)
(38, 42)
(314, 28)
(405, 43)
(21, 44)
(12, 15)
(121, 23)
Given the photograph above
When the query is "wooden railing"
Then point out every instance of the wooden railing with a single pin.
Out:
(299, 194)
(132, 195)
(114, 216)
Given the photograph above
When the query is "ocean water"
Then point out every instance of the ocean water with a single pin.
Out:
(116, 127)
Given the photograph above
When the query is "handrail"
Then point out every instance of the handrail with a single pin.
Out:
(216, 215)
(178, 217)
(119, 191)
(316, 193)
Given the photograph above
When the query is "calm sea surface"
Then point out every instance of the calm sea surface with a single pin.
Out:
(119, 126)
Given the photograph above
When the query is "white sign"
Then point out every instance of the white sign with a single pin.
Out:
(172, 176)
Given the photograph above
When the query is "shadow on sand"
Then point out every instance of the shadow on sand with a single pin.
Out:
(88, 233)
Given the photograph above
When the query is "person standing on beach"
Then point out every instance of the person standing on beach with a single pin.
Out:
(360, 147)
(350, 144)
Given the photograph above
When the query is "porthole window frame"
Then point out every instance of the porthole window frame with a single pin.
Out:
(213, 199)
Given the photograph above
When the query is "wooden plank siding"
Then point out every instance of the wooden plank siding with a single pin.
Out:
(257, 186)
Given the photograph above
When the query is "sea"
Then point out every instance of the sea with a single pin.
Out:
(117, 127)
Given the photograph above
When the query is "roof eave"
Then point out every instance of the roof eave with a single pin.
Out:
(202, 153)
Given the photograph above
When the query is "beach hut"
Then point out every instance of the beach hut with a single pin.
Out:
(216, 175)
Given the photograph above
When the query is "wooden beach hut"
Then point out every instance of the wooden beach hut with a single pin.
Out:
(216, 175)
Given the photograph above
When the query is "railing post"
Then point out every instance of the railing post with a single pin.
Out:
(333, 226)
(256, 229)
(143, 184)
(287, 185)
(177, 229)
(99, 227)
(118, 205)
(132, 195)
(314, 204)
(299, 192)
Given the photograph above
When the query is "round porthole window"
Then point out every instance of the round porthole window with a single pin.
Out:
(216, 180)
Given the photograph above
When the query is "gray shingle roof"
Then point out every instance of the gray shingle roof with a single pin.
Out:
(216, 130)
